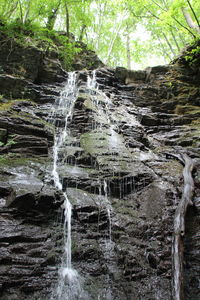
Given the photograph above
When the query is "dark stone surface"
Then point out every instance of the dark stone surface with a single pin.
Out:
(119, 142)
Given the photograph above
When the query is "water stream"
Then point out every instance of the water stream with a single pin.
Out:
(68, 286)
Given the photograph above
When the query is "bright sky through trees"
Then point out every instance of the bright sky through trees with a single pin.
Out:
(130, 33)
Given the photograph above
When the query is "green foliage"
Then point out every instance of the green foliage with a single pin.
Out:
(147, 30)
(35, 35)
(67, 51)
(193, 55)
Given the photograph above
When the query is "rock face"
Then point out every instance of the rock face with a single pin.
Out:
(117, 172)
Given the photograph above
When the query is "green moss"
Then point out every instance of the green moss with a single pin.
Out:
(14, 160)
(186, 109)
(196, 124)
(7, 104)
(7, 160)
(93, 141)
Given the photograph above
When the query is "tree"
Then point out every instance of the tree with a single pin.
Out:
(113, 29)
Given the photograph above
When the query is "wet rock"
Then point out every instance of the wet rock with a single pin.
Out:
(29, 145)
(123, 187)
(23, 202)
(12, 63)
(3, 135)
(12, 87)
(129, 76)
(149, 120)
(50, 71)
(7, 192)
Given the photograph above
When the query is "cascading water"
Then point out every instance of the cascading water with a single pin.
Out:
(105, 187)
(103, 125)
(97, 97)
(68, 286)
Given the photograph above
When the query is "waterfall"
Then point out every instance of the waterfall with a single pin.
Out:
(102, 102)
(105, 187)
(103, 125)
(68, 287)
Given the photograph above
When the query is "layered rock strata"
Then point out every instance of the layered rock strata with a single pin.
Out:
(117, 158)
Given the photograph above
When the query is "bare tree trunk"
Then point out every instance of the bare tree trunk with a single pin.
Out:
(179, 229)
(165, 53)
(67, 19)
(11, 11)
(189, 20)
(195, 16)
(102, 8)
(27, 11)
(175, 40)
(169, 44)
(128, 50)
(182, 38)
(82, 32)
(21, 10)
(113, 42)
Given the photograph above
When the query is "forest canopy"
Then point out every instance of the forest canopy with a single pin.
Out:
(130, 33)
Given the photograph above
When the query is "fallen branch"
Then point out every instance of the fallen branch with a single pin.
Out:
(179, 228)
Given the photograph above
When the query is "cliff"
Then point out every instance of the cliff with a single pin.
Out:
(115, 167)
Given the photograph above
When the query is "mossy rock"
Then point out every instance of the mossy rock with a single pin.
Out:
(6, 105)
(15, 160)
(186, 109)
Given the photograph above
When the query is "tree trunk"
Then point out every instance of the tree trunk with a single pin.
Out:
(52, 16)
(128, 50)
(67, 19)
(175, 40)
(21, 10)
(195, 16)
(189, 20)
(26, 15)
(164, 51)
(169, 44)
(82, 32)
(102, 8)
(113, 41)
(11, 11)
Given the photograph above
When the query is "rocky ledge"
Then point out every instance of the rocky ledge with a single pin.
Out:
(118, 174)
